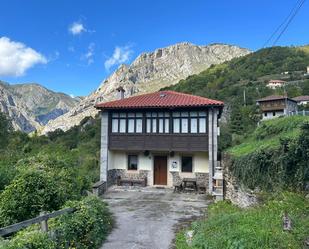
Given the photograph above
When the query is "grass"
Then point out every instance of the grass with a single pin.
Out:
(268, 135)
(259, 227)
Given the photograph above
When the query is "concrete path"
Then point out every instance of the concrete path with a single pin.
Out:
(146, 218)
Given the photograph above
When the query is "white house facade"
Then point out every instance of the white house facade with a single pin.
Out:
(161, 137)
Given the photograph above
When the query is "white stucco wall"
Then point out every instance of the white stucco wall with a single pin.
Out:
(119, 160)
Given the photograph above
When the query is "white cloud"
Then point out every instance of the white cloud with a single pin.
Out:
(72, 96)
(120, 55)
(16, 58)
(77, 28)
(88, 56)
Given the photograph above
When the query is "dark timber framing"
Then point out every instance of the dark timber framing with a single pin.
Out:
(170, 141)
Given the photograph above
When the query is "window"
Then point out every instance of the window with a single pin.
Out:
(274, 113)
(186, 164)
(265, 114)
(132, 162)
(189, 122)
(127, 122)
(157, 122)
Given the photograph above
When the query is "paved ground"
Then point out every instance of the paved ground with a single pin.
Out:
(146, 218)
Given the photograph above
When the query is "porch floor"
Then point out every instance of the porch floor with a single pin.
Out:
(147, 218)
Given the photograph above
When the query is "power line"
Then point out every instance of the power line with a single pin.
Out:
(289, 21)
(285, 20)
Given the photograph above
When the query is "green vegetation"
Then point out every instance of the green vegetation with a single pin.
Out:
(248, 76)
(47, 173)
(269, 134)
(230, 227)
(86, 228)
(276, 153)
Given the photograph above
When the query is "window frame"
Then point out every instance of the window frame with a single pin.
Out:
(192, 164)
(189, 117)
(128, 161)
(117, 116)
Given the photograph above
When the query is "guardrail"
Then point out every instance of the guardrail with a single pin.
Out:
(43, 219)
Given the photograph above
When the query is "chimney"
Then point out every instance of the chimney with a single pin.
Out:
(120, 92)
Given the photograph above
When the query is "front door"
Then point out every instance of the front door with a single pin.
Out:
(160, 170)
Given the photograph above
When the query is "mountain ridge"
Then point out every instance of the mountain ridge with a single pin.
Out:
(149, 72)
(31, 105)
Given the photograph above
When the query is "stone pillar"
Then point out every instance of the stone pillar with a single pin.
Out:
(104, 147)
(213, 144)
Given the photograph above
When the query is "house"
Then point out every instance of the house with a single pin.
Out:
(162, 136)
(273, 84)
(275, 106)
(302, 100)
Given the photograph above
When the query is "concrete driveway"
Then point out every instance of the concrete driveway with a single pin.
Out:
(147, 218)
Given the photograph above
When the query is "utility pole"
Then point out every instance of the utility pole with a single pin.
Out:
(245, 97)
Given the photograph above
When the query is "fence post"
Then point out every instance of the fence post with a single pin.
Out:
(44, 224)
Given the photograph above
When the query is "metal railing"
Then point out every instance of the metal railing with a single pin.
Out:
(43, 218)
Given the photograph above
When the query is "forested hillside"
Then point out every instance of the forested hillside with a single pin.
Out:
(241, 81)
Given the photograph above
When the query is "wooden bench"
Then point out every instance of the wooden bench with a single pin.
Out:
(131, 182)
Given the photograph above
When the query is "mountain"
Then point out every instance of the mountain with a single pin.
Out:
(30, 106)
(148, 73)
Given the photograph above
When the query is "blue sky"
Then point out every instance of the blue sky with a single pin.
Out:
(71, 46)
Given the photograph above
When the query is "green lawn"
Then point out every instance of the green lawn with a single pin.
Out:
(230, 227)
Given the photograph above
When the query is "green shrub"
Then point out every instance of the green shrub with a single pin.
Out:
(86, 228)
(227, 226)
(27, 195)
(29, 240)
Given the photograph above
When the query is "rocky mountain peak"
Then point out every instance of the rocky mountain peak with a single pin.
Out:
(150, 72)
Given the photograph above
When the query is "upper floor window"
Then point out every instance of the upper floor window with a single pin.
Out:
(157, 122)
(193, 122)
(189, 122)
(127, 122)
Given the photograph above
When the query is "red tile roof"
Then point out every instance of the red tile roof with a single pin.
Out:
(162, 99)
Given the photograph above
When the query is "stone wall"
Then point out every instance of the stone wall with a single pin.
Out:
(237, 194)
(113, 174)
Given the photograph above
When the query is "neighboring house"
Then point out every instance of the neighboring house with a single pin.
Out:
(273, 84)
(163, 136)
(302, 100)
(275, 106)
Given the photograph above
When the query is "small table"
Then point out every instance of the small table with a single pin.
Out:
(189, 180)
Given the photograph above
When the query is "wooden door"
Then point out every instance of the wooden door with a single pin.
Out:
(160, 170)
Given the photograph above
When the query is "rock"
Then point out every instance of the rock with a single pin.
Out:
(233, 191)
(29, 106)
(149, 72)
(189, 237)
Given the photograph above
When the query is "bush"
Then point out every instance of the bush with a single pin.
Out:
(29, 240)
(27, 195)
(86, 228)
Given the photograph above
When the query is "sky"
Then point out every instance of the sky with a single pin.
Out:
(72, 46)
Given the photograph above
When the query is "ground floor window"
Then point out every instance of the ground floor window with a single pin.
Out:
(186, 164)
(132, 162)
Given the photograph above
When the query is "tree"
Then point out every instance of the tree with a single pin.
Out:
(5, 129)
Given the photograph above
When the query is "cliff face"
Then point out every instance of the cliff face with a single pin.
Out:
(148, 73)
(30, 106)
